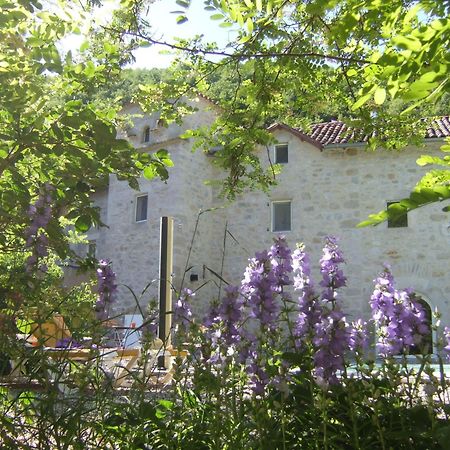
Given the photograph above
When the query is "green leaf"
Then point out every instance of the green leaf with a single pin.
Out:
(380, 96)
(181, 19)
(217, 17)
(183, 3)
(83, 223)
(249, 24)
(407, 42)
(84, 46)
(150, 172)
(361, 101)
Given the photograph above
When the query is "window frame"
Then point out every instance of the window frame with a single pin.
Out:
(136, 220)
(272, 213)
(275, 156)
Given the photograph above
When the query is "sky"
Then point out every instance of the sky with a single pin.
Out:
(163, 20)
(165, 28)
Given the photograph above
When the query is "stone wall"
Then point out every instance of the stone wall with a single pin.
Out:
(333, 190)
(330, 190)
(133, 247)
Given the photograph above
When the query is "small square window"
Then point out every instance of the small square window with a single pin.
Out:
(400, 221)
(281, 154)
(141, 208)
(281, 216)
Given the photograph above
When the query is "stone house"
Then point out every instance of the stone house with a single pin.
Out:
(328, 184)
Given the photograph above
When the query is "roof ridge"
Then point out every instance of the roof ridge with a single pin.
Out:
(338, 132)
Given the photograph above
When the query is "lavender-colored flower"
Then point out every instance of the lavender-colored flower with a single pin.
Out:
(331, 342)
(258, 378)
(264, 279)
(401, 322)
(359, 340)
(332, 276)
(230, 314)
(281, 262)
(309, 309)
(150, 328)
(106, 288)
(182, 312)
(39, 213)
(67, 342)
(447, 341)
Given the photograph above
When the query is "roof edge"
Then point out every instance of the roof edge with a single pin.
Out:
(302, 136)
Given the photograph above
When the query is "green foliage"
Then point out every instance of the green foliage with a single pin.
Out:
(53, 131)
(378, 65)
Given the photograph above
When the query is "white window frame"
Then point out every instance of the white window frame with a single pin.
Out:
(136, 200)
(275, 153)
(272, 213)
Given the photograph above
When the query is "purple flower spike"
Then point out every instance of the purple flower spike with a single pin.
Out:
(230, 313)
(332, 276)
(39, 214)
(331, 341)
(359, 341)
(447, 341)
(309, 310)
(400, 321)
(264, 279)
(107, 288)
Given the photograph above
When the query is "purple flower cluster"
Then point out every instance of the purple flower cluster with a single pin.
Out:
(230, 314)
(106, 288)
(332, 276)
(264, 279)
(182, 313)
(331, 342)
(321, 323)
(359, 340)
(309, 310)
(281, 263)
(400, 321)
(39, 213)
(68, 342)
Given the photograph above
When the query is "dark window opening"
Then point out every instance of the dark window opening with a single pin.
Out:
(399, 221)
(147, 134)
(281, 154)
(281, 216)
(141, 208)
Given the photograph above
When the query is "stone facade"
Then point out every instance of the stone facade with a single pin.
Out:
(330, 191)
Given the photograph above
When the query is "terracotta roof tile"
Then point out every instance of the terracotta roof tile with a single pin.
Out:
(336, 132)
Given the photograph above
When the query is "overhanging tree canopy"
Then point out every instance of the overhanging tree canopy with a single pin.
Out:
(358, 55)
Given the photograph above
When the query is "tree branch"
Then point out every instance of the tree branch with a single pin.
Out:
(244, 55)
